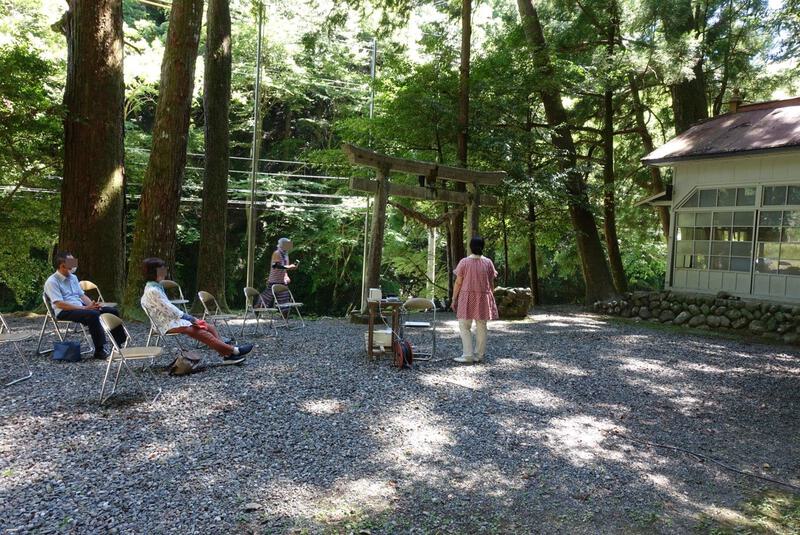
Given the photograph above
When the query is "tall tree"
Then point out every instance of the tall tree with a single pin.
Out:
(683, 22)
(92, 193)
(596, 275)
(457, 249)
(609, 201)
(156, 221)
(216, 103)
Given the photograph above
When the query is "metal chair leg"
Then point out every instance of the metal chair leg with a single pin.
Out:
(24, 357)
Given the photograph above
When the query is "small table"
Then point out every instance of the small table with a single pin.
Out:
(372, 306)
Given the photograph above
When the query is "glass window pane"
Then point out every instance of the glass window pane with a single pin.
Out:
(790, 267)
(691, 202)
(771, 234)
(685, 233)
(774, 195)
(702, 219)
(790, 251)
(702, 233)
(740, 249)
(769, 218)
(723, 219)
(740, 264)
(742, 218)
(794, 195)
(727, 197)
(702, 247)
(686, 261)
(769, 250)
(766, 265)
(719, 263)
(791, 218)
(745, 196)
(708, 198)
(683, 247)
(742, 234)
(686, 219)
(721, 248)
(700, 261)
(722, 233)
(791, 235)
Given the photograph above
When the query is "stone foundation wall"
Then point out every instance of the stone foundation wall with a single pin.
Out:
(513, 302)
(722, 311)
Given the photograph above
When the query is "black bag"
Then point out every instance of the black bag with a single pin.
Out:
(185, 363)
(67, 351)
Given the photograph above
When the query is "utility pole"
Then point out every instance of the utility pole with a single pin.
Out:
(251, 212)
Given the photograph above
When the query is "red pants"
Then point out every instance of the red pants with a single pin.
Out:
(208, 337)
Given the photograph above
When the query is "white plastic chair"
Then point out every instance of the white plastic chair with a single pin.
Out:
(213, 313)
(286, 308)
(89, 286)
(172, 286)
(418, 305)
(71, 327)
(121, 354)
(253, 304)
(14, 338)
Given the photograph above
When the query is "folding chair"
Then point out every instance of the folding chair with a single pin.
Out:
(213, 313)
(72, 327)
(172, 286)
(286, 308)
(89, 286)
(122, 354)
(160, 338)
(253, 304)
(13, 338)
(420, 305)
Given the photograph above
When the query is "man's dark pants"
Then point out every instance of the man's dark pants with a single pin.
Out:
(91, 318)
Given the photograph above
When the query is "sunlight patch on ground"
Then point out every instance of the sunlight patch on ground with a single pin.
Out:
(352, 496)
(323, 406)
(652, 367)
(561, 368)
(580, 439)
(465, 376)
(538, 397)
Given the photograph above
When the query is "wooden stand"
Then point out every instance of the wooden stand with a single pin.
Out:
(394, 306)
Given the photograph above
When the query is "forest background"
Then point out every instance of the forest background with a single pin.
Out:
(565, 96)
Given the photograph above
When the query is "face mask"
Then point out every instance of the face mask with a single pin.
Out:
(73, 270)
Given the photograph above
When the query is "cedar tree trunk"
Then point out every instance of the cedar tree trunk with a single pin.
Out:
(156, 221)
(92, 193)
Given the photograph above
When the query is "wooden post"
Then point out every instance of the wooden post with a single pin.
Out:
(378, 227)
(473, 210)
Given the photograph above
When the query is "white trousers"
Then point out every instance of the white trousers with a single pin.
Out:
(465, 326)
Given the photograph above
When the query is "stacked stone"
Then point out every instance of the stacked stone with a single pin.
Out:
(722, 311)
(513, 302)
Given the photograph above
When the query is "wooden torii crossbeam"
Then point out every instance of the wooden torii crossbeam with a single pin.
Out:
(382, 189)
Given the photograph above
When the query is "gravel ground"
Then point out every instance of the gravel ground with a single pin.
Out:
(309, 436)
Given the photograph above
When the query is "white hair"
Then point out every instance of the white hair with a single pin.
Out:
(283, 241)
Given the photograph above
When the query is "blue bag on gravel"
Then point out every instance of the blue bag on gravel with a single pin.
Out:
(67, 351)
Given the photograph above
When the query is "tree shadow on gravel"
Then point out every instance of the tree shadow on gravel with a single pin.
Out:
(311, 436)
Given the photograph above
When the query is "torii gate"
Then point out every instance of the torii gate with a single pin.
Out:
(382, 189)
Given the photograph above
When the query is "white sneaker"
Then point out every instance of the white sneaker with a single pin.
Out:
(464, 359)
(477, 360)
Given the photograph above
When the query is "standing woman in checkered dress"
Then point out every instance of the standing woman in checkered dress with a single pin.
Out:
(473, 300)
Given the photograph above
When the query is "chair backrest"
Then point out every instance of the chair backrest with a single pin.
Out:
(111, 322)
(89, 286)
(418, 303)
(153, 324)
(171, 285)
(251, 296)
(281, 288)
(3, 325)
(208, 300)
(48, 306)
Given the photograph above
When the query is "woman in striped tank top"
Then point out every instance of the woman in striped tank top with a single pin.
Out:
(279, 272)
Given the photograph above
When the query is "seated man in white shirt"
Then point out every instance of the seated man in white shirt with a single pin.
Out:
(71, 304)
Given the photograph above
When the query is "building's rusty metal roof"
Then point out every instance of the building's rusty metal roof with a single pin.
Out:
(753, 128)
